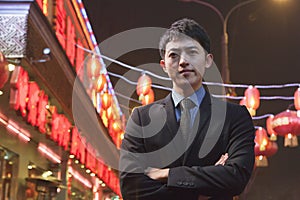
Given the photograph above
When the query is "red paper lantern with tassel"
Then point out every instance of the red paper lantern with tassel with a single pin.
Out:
(99, 83)
(263, 147)
(261, 141)
(143, 85)
(261, 157)
(261, 138)
(252, 98)
(106, 100)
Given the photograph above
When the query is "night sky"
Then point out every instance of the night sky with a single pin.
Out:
(264, 49)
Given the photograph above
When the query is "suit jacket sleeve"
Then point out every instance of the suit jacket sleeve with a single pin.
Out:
(134, 183)
(231, 178)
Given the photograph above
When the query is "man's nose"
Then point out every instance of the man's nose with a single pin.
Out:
(183, 62)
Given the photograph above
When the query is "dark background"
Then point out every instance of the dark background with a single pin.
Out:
(264, 48)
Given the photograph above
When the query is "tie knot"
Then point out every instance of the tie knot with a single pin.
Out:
(186, 103)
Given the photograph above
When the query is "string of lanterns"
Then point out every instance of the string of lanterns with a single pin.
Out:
(103, 99)
(286, 124)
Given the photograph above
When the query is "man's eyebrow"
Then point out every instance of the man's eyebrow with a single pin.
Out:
(173, 49)
(192, 47)
(178, 49)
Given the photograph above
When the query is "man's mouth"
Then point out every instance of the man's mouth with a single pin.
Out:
(186, 71)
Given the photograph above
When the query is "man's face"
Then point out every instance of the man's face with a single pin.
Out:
(185, 61)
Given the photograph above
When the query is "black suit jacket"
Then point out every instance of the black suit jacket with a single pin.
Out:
(153, 139)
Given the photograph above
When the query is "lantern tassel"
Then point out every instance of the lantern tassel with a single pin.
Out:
(290, 140)
(261, 161)
(273, 137)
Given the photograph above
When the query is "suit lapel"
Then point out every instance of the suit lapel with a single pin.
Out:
(171, 117)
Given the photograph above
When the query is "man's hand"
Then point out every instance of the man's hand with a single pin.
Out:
(157, 174)
(222, 160)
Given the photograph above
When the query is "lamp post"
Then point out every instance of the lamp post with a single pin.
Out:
(224, 41)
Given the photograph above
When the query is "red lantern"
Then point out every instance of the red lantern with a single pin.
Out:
(263, 147)
(252, 97)
(104, 117)
(271, 132)
(297, 99)
(4, 73)
(93, 66)
(117, 126)
(99, 83)
(144, 85)
(261, 156)
(287, 124)
(261, 138)
(109, 113)
(106, 100)
(148, 98)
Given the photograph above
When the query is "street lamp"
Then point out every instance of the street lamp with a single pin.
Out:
(224, 41)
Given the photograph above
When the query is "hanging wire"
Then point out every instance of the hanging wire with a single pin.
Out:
(261, 117)
(128, 98)
(204, 82)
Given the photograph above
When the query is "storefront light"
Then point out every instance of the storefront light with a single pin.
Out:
(11, 67)
(49, 153)
(3, 121)
(79, 177)
(12, 127)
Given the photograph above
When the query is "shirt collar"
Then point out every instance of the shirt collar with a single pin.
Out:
(196, 97)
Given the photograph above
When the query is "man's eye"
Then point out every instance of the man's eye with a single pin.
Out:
(193, 52)
(173, 55)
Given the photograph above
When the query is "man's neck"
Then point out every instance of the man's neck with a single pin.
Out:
(186, 92)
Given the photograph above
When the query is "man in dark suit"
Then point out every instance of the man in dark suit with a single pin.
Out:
(173, 151)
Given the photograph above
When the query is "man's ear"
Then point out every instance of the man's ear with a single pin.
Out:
(162, 64)
(209, 60)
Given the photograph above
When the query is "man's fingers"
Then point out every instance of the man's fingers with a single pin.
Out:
(222, 160)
